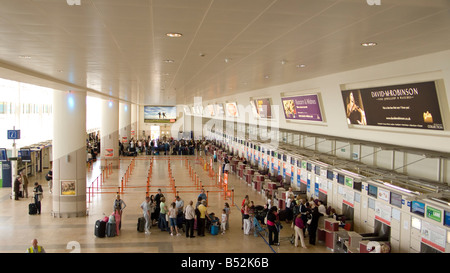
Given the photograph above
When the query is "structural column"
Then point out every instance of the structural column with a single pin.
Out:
(135, 121)
(125, 122)
(109, 133)
(69, 154)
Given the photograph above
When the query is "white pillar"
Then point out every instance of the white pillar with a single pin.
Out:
(125, 122)
(69, 154)
(109, 133)
(134, 120)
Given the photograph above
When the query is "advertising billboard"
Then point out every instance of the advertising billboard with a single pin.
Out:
(160, 114)
(304, 107)
(261, 108)
(231, 109)
(412, 105)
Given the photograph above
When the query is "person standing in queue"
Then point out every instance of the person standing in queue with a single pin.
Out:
(119, 204)
(17, 183)
(145, 206)
(271, 224)
(201, 220)
(24, 176)
(163, 209)
(38, 195)
(189, 215)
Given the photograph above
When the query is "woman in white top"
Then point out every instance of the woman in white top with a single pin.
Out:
(173, 219)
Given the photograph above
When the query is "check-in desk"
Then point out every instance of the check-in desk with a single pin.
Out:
(353, 243)
(248, 173)
(241, 167)
(330, 230)
(256, 185)
(233, 165)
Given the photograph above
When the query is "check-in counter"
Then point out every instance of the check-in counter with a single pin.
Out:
(249, 175)
(241, 167)
(233, 165)
(330, 230)
(257, 185)
(353, 243)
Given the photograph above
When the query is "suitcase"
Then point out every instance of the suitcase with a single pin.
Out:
(100, 228)
(214, 229)
(110, 229)
(141, 224)
(32, 209)
(283, 215)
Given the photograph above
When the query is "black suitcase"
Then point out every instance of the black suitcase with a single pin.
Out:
(32, 209)
(100, 228)
(141, 224)
(110, 229)
(283, 215)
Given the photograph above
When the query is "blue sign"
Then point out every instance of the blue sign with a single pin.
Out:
(13, 134)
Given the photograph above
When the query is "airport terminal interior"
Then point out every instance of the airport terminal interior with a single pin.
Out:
(334, 110)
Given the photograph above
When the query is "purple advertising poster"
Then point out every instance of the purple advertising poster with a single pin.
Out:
(302, 108)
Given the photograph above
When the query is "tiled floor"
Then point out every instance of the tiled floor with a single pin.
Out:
(63, 235)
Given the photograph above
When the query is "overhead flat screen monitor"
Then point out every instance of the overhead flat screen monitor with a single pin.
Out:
(373, 191)
(396, 199)
(3, 154)
(308, 166)
(26, 155)
(413, 105)
(317, 170)
(330, 175)
(418, 208)
(341, 179)
(447, 218)
(160, 114)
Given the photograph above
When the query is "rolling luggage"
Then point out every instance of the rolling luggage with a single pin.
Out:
(141, 224)
(32, 209)
(283, 215)
(214, 229)
(100, 228)
(110, 229)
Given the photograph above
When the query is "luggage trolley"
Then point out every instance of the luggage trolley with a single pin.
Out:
(258, 229)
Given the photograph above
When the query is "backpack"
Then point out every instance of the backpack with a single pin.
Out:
(296, 209)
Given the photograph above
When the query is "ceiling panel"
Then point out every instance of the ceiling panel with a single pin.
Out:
(118, 48)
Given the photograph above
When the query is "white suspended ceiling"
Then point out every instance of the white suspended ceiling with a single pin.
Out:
(119, 47)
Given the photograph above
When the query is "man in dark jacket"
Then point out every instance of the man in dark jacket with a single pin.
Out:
(17, 183)
(312, 227)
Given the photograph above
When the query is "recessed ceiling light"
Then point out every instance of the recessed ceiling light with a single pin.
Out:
(368, 44)
(266, 76)
(301, 65)
(227, 60)
(24, 56)
(174, 35)
(169, 61)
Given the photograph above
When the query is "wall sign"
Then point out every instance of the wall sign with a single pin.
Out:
(413, 105)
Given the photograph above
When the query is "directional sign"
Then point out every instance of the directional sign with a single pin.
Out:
(13, 134)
